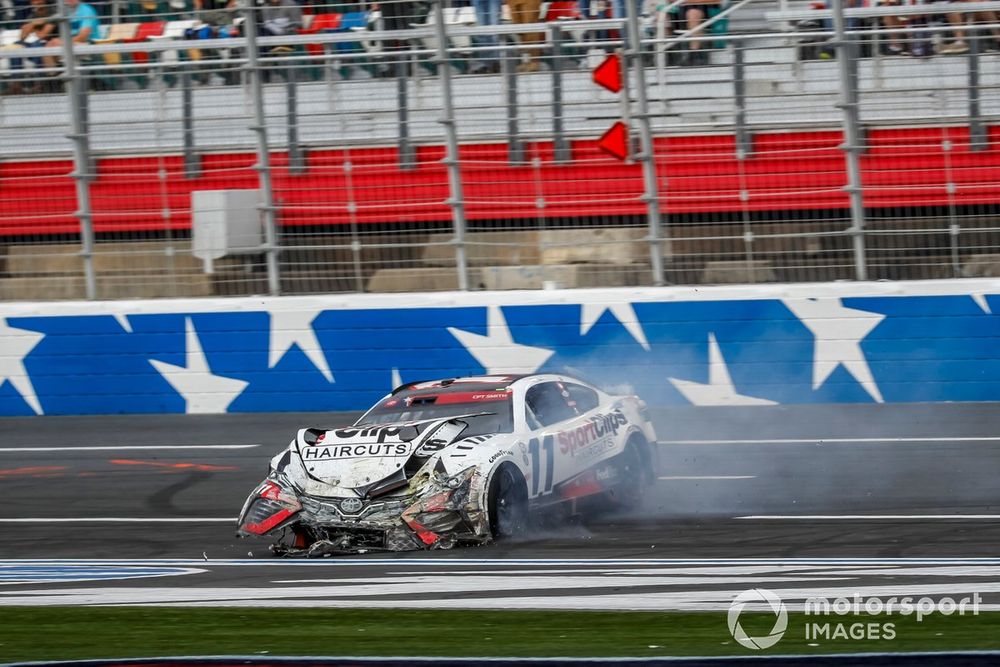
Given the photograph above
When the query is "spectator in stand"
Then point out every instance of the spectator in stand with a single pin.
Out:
(277, 18)
(218, 14)
(280, 17)
(487, 13)
(158, 10)
(37, 31)
(896, 45)
(959, 23)
(528, 11)
(84, 27)
(397, 15)
(19, 11)
(689, 17)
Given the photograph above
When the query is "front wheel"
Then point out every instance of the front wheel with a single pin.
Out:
(507, 503)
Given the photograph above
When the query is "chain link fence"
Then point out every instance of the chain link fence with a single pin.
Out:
(447, 154)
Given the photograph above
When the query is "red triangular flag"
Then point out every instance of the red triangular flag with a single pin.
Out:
(615, 140)
(609, 73)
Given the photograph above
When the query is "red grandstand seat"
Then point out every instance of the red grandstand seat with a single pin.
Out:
(145, 31)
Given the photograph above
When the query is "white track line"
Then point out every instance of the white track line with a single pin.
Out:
(120, 519)
(863, 517)
(72, 448)
(671, 478)
(480, 562)
(823, 441)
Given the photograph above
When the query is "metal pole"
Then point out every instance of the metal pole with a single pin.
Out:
(407, 157)
(846, 65)
(81, 150)
(296, 160)
(977, 131)
(191, 166)
(457, 199)
(659, 242)
(263, 166)
(561, 146)
(515, 149)
(740, 102)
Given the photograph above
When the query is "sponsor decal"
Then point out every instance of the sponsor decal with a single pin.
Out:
(598, 427)
(356, 451)
(493, 396)
(377, 433)
(595, 451)
(501, 453)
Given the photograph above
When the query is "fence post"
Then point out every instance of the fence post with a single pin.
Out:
(658, 239)
(407, 155)
(457, 199)
(191, 166)
(740, 102)
(560, 145)
(263, 165)
(296, 156)
(82, 165)
(977, 131)
(515, 149)
(847, 68)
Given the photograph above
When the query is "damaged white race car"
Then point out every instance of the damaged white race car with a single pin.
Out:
(456, 461)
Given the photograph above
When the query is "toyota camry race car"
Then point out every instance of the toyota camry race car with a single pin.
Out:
(456, 461)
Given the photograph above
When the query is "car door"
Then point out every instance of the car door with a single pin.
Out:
(557, 425)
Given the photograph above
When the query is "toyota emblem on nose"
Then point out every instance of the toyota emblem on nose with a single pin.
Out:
(351, 505)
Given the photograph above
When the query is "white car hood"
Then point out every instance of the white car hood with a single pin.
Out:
(360, 457)
(356, 457)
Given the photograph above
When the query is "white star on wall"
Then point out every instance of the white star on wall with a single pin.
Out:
(981, 301)
(623, 312)
(720, 389)
(15, 345)
(497, 351)
(203, 392)
(838, 332)
(290, 327)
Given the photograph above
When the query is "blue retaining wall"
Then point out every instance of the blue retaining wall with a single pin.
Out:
(833, 343)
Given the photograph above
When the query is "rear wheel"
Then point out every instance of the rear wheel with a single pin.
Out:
(630, 492)
(507, 503)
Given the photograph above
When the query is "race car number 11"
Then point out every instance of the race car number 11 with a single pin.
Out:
(536, 463)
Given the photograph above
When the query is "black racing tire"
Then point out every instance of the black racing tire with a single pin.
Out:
(630, 494)
(507, 503)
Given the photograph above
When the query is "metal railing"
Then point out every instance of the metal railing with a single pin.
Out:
(434, 158)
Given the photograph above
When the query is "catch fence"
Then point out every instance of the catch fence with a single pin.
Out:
(351, 158)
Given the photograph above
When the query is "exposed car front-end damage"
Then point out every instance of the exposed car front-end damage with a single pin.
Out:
(356, 490)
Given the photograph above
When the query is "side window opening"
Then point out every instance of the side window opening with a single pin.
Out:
(547, 404)
(586, 399)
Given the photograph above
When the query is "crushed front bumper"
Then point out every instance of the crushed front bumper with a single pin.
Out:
(437, 521)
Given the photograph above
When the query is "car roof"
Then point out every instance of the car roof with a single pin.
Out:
(474, 382)
(460, 383)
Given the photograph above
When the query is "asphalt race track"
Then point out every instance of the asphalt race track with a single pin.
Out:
(803, 487)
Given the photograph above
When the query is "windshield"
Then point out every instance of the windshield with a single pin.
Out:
(490, 408)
